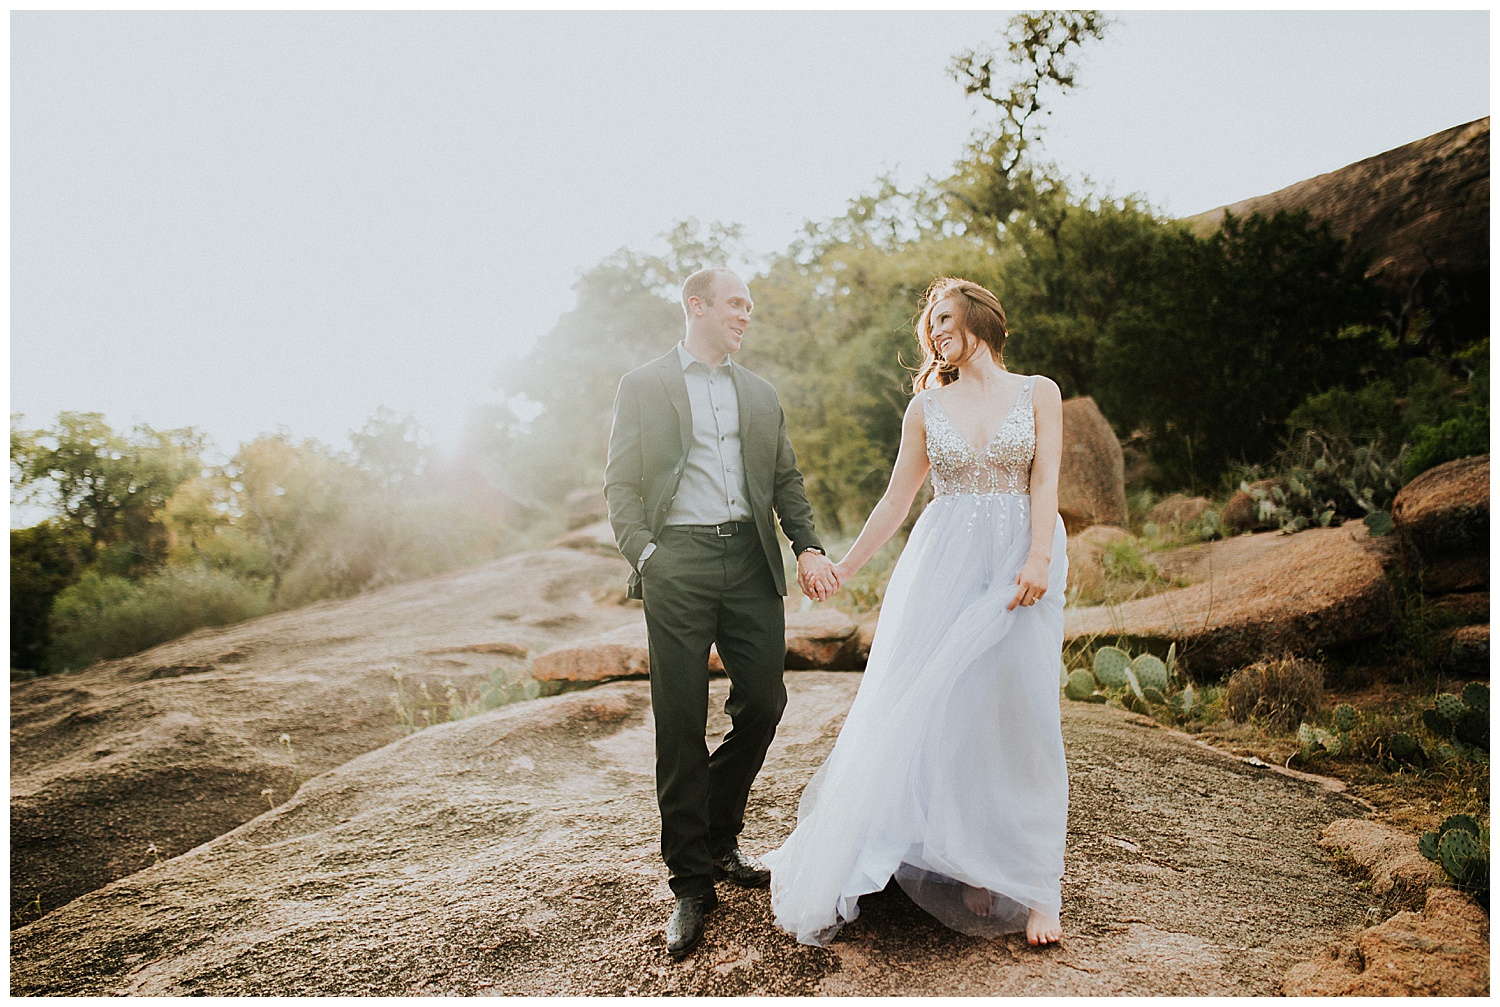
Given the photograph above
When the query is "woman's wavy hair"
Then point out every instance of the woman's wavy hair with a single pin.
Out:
(977, 311)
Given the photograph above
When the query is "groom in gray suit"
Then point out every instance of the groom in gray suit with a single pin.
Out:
(698, 462)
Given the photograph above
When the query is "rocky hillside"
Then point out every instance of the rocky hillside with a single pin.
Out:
(1419, 208)
(516, 853)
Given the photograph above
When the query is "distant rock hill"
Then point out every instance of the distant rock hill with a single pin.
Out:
(1419, 209)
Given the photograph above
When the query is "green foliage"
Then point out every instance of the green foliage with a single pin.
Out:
(1237, 331)
(1461, 846)
(1317, 481)
(44, 559)
(148, 542)
(108, 486)
(1456, 425)
(104, 616)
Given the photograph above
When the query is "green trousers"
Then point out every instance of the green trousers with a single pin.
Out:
(699, 590)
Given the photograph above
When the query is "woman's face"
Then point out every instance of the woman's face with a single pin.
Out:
(950, 341)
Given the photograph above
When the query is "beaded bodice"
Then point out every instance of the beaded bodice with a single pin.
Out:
(1003, 466)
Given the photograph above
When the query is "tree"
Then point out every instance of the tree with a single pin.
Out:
(1234, 333)
(108, 485)
(550, 433)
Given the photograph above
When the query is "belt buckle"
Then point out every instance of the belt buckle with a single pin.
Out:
(721, 533)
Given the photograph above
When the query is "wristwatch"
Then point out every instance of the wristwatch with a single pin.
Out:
(813, 548)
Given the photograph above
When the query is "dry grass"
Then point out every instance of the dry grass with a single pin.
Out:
(1281, 692)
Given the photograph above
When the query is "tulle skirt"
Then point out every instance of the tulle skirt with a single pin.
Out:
(949, 772)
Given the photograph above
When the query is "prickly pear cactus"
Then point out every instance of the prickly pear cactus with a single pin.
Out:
(1307, 739)
(1403, 748)
(1465, 823)
(1332, 743)
(1449, 707)
(1459, 850)
(1473, 728)
(1428, 846)
(1134, 685)
(1476, 696)
(1436, 724)
(1080, 685)
(1344, 718)
(1172, 660)
(1150, 672)
(1154, 695)
(1111, 664)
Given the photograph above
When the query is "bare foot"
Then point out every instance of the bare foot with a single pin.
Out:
(977, 900)
(1041, 930)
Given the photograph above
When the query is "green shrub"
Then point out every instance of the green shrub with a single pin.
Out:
(1463, 435)
(102, 616)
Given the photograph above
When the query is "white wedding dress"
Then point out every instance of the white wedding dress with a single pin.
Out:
(949, 769)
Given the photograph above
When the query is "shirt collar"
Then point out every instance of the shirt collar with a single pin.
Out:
(689, 360)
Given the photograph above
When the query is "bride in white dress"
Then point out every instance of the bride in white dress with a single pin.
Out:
(949, 772)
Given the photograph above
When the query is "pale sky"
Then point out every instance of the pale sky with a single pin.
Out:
(246, 221)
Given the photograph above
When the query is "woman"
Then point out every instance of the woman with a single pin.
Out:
(949, 773)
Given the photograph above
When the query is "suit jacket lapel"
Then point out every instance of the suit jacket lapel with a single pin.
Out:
(677, 395)
(742, 393)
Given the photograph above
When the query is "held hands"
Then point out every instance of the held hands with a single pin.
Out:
(1031, 583)
(817, 576)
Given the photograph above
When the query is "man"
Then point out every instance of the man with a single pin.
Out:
(698, 461)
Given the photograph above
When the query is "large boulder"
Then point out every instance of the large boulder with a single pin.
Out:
(1442, 951)
(1177, 510)
(1443, 524)
(1086, 550)
(1468, 650)
(1091, 482)
(1255, 597)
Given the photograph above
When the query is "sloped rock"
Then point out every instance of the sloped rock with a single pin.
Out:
(1178, 510)
(1086, 557)
(516, 852)
(151, 755)
(1464, 608)
(821, 638)
(585, 507)
(1292, 593)
(865, 636)
(597, 537)
(623, 652)
(1091, 480)
(1388, 854)
(1442, 951)
(1443, 524)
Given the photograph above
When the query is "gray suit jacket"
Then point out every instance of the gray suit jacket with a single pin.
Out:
(653, 427)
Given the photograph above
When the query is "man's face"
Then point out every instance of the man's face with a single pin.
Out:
(723, 322)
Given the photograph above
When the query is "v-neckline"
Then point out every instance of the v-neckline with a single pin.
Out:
(980, 452)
